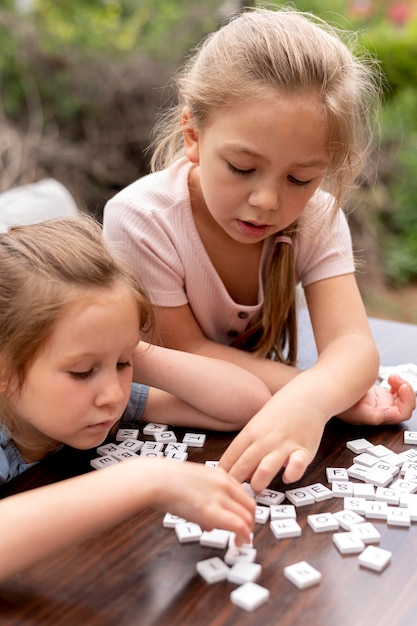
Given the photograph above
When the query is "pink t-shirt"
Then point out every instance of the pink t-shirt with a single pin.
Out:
(151, 226)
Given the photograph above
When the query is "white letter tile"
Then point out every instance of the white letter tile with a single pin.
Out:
(285, 528)
(269, 497)
(213, 570)
(300, 496)
(188, 532)
(348, 543)
(322, 522)
(302, 574)
(249, 596)
(375, 558)
(244, 572)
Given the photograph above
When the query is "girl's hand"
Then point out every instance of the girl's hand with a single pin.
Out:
(274, 439)
(383, 406)
(209, 497)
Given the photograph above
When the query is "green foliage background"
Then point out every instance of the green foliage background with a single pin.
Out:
(53, 60)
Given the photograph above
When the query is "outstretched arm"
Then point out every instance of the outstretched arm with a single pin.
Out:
(37, 524)
(192, 390)
(398, 402)
(287, 430)
(383, 406)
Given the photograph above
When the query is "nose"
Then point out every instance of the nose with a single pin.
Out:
(112, 392)
(265, 197)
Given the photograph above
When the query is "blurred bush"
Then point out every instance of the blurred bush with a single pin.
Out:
(396, 48)
(80, 84)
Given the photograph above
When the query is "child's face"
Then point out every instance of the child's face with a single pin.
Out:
(259, 164)
(79, 384)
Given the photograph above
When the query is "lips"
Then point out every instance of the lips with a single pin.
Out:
(252, 229)
(101, 425)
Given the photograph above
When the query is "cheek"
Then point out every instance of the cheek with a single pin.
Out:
(126, 383)
(298, 201)
(220, 192)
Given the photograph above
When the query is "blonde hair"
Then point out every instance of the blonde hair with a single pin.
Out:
(287, 52)
(45, 268)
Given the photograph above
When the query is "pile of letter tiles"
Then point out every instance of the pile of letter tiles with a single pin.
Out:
(384, 488)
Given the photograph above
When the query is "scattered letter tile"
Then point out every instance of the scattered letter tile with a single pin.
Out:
(347, 519)
(336, 473)
(285, 528)
(269, 496)
(348, 543)
(170, 521)
(216, 538)
(358, 445)
(302, 574)
(375, 558)
(342, 489)
(194, 440)
(398, 516)
(127, 433)
(300, 496)
(152, 428)
(166, 436)
(262, 514)
(322, 522)
(103, 461)
(244, 572)
(410, 436)
(188, 532)
(233, 555)
(367, 532)
(249, 596)
(283, 511)
(320, 492)
(213, 570)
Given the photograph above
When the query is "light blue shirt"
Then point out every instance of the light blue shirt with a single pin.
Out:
(11, 462)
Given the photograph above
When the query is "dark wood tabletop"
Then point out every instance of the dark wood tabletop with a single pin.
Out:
(139, 574)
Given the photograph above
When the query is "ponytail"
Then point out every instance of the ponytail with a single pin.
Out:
(275, 335)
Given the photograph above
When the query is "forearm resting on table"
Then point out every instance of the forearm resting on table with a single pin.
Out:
(274, 374)
(217, 388)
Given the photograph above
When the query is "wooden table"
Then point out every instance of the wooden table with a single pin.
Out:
(139, 574)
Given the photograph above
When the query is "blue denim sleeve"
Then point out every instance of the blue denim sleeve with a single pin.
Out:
(4, 467)
(136, 405)
(11, 462)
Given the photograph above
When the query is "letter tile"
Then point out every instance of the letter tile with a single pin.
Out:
(213, 570)
(375, 558)
(348, 543)
(249, 596)
(302, 574)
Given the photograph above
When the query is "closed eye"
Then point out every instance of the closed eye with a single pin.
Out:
(82, 375)
(123, 365)
(238, 171)
(299, 183)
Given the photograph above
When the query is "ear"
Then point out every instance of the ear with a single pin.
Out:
(190, 134)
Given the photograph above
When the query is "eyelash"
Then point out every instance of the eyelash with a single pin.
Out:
(239, 172)
(299, 183)
(81, 375)
(292, 179)
(88, 373)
